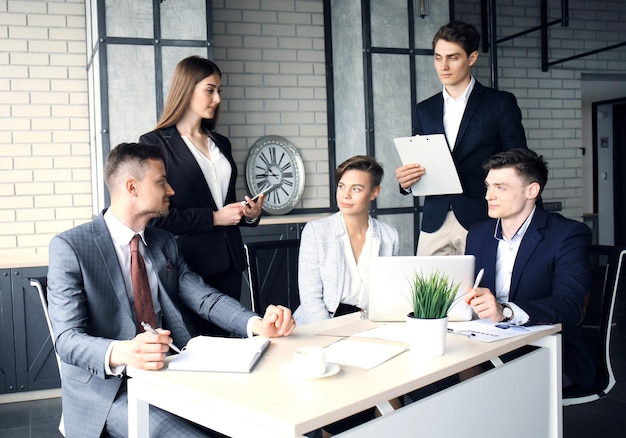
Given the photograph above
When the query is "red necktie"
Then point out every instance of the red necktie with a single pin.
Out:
(141, 288)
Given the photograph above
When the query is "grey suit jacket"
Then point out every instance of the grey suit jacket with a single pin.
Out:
(321, 266)
(89, 308)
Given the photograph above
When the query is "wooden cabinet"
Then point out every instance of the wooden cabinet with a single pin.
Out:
(27, 360)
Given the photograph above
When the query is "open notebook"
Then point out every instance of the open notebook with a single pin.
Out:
(229, 355)
(389, 284)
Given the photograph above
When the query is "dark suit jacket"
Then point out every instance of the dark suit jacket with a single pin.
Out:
(492, 122)
(89, 308)
(207, 249)
(551, 277)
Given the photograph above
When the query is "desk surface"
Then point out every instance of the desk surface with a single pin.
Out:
(291, 406)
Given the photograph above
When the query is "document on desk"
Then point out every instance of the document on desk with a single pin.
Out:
(432, 152)
(229, 355)
(484, 330)
(389, 332)
(362, 355)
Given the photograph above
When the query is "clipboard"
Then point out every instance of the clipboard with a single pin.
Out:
(432, 152)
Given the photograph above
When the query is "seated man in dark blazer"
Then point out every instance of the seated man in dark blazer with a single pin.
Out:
(94, 300)
(536, 263)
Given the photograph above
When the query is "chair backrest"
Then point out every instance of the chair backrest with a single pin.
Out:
(40, 283)
(273, 273)
(608, 275)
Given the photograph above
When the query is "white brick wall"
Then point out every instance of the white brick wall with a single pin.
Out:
(272, 55)
(44, 125)
(551, 101)
(274, 82)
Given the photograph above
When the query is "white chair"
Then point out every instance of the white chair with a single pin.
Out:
(608, 264)
(40, 284)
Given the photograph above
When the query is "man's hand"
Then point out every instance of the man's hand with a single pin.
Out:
(276, 322)
(146, 351)
(484, 303)
(409, 174)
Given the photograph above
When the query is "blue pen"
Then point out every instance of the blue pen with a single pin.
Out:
(504, 326)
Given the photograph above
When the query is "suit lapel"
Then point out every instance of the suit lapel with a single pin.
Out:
(473, 102)
(172, 318)
(189, 164)
(102, 240)
(531, 239)
(233, 174)
(338, 232)
(490, 250)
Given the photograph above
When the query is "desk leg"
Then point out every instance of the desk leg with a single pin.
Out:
(553, 345)
(138, 413)
(385, 408)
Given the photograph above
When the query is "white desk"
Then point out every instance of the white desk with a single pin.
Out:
(521, 398)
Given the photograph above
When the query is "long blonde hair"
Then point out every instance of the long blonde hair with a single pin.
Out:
(187, 74)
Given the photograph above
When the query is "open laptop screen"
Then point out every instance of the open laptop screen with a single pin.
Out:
(390, 284)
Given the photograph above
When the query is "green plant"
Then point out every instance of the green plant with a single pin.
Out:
(432, 295)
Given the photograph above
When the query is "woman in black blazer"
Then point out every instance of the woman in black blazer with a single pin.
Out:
(204, 213)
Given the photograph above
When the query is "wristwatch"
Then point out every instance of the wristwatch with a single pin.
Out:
(507, 312)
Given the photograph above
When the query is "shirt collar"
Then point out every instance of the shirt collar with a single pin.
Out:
(497, 234)
(368, 233)
(120, 233)
(463, 97)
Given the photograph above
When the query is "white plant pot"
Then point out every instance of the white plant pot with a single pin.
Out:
(427, 337)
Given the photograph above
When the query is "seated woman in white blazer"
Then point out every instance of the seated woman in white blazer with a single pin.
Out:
(333, 265)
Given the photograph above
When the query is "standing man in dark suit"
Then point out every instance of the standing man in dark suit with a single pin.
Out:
(477, 122)
(93, 300)
(536, 263)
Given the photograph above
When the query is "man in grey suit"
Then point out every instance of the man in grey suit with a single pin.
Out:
(91, 303)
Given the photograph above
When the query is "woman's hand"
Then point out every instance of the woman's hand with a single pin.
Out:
(228, 215)
(252, 209)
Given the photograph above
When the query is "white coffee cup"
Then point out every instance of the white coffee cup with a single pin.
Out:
(309, 361)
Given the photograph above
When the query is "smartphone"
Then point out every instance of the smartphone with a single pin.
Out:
(265, 191)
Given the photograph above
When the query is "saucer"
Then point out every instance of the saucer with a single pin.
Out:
(289, 370)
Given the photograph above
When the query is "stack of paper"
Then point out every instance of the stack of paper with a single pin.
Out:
(361, 354)
(486, 331)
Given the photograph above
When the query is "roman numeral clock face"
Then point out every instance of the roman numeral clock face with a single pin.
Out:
(274, 160)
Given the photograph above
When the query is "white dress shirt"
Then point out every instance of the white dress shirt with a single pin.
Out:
(505, 260)
(356, 279)
(453, 110)
(216, 170)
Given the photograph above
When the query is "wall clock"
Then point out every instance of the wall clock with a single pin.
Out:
(274, 160)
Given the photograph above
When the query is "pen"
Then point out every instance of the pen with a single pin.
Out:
(477, 281)
(479, 277)
(463, 333)
(147, 327)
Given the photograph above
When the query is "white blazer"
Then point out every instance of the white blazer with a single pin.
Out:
(321, 265)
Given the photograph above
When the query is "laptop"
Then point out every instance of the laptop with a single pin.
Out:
(389, 284)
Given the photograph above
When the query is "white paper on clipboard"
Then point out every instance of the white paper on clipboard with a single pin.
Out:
(432, 152)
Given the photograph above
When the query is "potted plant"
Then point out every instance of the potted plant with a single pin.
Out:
(431, 297)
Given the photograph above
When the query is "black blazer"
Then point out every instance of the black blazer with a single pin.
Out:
(492, 122)
(551, 277)
(207, 249)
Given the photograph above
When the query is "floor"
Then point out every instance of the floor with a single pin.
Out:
(606, 417)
